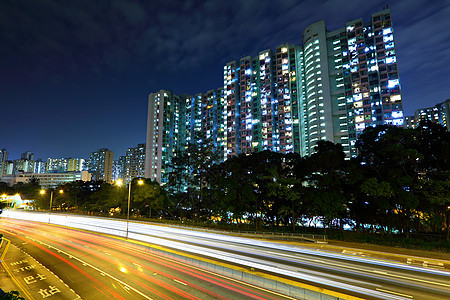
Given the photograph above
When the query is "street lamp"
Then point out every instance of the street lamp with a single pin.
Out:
(119, 182)
(42, 192)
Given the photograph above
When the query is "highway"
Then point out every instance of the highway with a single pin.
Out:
(98, 267)
(357, 276)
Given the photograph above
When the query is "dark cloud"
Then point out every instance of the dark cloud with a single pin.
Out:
(82, 57)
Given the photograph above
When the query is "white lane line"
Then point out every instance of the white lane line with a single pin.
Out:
(180, 282)
(394, 293)
(421, 280)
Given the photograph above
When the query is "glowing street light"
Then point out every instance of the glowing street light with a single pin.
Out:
(42, 192)
(119, 182)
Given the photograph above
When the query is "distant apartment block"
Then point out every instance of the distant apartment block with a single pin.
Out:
(3, 161)
(100, 164)
(27, 155)
(133, 163)
(332, 87)
(410, 122)
(439, 114)
(117, 168)
(65, 164)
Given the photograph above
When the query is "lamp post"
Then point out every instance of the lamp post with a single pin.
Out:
(119, 182)
(51, 201)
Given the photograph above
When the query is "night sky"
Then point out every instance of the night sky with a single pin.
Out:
(75, 75)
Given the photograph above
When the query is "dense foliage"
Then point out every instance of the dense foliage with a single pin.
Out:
(399, 183)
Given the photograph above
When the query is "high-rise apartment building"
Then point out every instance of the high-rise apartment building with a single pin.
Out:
(351, 80)
(117, 168)
(263, 94)
(40, 166)
(100, 165)
(166, 131)
(133, 163)
(23, 166)
(3, 161)
(330, 88)
(3, 155)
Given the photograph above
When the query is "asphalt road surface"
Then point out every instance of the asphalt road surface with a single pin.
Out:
(357, 276)
(59, 263)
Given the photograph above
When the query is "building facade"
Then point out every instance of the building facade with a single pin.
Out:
(3, 161)
(332, 87)
(47, 180)
(64, 164)
(166, 131)
(437, 114)
(410, 122)
(100, 165)
(133, 163)
(117, 168)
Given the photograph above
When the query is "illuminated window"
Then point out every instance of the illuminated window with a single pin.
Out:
(388, 38)
(396, 98)
(390, 60)
(392, 83)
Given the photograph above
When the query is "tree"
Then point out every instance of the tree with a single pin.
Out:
(189, 171)
(325, 175)
(29, 190)
(11, 295)
(407, 161)
(150, 199)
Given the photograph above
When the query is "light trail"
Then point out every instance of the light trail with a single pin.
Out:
(81, 243)
(261, 255)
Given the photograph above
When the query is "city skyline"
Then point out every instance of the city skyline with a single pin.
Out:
(76, 81)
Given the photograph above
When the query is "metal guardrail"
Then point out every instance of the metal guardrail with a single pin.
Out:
(316, 238)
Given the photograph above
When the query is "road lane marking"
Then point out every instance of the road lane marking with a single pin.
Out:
(32, 279)
(180, 282)
(421, 280)
(97, 269)
(11, 275)
(411, 278)
(395, 293)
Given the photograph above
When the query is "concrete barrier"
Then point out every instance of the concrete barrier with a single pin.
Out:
(248, 277)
